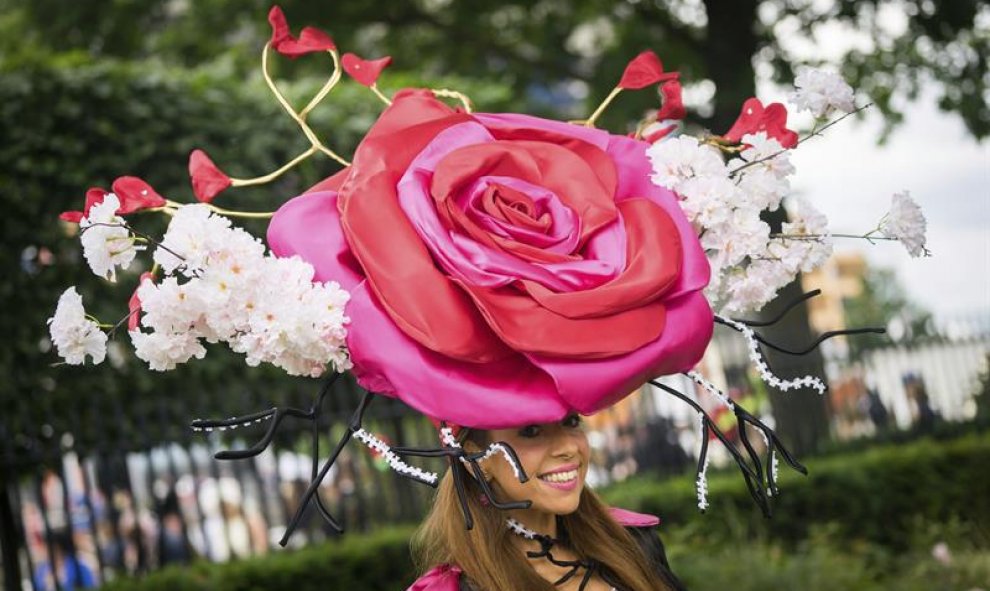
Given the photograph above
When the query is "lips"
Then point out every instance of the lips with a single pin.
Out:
(562, 477)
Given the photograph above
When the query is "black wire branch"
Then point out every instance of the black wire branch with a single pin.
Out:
(780, 315)
(546, 551)
(760, 480)
(457, 456)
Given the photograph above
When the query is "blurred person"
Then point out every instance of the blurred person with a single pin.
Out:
(64, 567)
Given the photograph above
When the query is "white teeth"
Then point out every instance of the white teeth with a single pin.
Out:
(560, 476)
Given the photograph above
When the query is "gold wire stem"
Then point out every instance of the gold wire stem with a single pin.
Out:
(378, 93)
(227, 212)
(260, 180)
(264, 215)
(306, 129)
(590, 122)
(327, 87)
(447, 93)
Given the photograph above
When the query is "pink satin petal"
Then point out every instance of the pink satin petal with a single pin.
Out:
(475, 263)
(634, 181)
(495, 395)
(564, 233)
(309, 226)
(595, 137)
(592, 385)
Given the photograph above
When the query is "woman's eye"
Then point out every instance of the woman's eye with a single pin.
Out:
(529, 431)
(572, 421)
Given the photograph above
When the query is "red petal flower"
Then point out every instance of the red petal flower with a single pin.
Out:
(93, 196)
(208, 181)
(135, 195)
(644, 69)
(364, 71)
(310, 39)
(673, 102)
(134, 304)
(755, 118)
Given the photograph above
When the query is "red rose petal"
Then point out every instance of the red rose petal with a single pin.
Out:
(310, 39)
(644, 69)
(280, 27)
(755, 118)
(134, 304)
(94, 195)
(419, 298)
(135, 195)
(673, 102)
(366, 72)
(208, 181)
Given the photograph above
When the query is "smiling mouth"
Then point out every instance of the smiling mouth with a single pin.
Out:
(561, 477)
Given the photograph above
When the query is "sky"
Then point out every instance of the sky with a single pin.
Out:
(851, 179)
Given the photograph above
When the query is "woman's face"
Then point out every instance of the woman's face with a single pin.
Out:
(555, 457)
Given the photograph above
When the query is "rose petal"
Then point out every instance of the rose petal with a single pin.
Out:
(673, 103)
(135, 194)
(280, 27)
(755, 118)
(365, 72)
(484, 395)
(290, 232)
(634, 181)
(208, 180)
(643, 70)
(310, 39)
(406, 281)
(474, 256)
(589, 385)
(94, 195)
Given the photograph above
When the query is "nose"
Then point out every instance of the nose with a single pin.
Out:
(565, 444)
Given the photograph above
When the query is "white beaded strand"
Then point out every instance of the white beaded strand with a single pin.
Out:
(448, 439)
(701, 484)
(393, 459)
(766, 375)
(234, 426)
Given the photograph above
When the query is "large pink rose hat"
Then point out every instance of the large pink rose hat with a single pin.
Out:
(503, 269)
(489, 270)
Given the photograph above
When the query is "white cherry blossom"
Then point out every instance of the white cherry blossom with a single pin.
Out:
(106, 241)
(679, 159)
(74, 335)
(822, 92)
(906, 222)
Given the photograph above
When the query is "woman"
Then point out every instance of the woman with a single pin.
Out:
(579, 542)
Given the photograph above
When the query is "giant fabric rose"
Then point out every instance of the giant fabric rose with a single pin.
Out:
(503, 269)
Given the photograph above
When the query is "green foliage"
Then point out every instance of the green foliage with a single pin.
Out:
(376, 562)
(872, 495)
(540, 46)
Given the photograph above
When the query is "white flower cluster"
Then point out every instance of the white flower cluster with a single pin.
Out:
(221, 286)
(74, 335)
(724, 202)
(106, 241)
(822, 92)
(906, 222)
